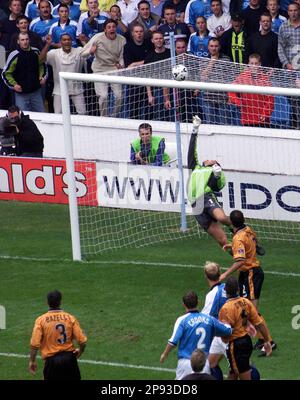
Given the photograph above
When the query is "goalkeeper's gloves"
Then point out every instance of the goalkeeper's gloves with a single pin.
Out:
(196, 123)
(217, 170)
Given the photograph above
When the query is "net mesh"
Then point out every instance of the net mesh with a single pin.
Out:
(108, 227)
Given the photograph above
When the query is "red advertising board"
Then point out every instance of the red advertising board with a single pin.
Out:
(45, 180)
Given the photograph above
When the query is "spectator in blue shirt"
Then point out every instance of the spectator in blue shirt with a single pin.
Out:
(43, 23)
(32, 10)
(63, 25)
(277, 19)
(91, 22)
(73, 7)
(198, 8)
(198, 43)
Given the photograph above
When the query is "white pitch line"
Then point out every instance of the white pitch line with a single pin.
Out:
(132, 262)
(94, 362)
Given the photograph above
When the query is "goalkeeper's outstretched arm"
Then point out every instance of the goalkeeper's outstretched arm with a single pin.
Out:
(192, 152)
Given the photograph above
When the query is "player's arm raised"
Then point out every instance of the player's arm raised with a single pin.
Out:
(192, 152)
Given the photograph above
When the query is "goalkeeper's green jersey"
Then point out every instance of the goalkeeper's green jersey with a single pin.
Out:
(202, 179)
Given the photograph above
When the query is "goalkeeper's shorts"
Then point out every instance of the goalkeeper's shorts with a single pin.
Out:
(205, 218)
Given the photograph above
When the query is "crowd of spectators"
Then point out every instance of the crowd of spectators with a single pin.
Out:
(42, 38)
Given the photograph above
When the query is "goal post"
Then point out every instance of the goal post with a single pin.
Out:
(263, 185)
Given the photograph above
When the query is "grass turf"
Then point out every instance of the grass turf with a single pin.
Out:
(127, 310)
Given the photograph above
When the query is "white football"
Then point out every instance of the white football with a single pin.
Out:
(180, 72)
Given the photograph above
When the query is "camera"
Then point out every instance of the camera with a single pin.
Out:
(8, 131)
(145, 150)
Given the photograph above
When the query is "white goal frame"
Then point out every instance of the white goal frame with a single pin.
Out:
(163, 83)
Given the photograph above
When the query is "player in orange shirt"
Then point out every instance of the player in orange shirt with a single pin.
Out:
(238, 312)
(53, 335)
(251, 275)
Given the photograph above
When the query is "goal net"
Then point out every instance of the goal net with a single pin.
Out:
(250, 124)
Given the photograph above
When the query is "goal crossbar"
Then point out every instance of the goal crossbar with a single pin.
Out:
(220, 87)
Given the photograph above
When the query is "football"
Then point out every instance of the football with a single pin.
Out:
(179, 72)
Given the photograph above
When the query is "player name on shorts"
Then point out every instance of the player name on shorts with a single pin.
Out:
(198, 320)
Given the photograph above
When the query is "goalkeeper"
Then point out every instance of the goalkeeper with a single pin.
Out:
(205, 180)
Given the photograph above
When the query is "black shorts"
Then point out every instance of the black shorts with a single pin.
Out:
(239, 353)
(250, 283)
(62, 366)
(205, 218)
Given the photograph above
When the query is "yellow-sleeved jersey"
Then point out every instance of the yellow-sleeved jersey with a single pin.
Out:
(244, 248)
(54, 332)
(236, 312)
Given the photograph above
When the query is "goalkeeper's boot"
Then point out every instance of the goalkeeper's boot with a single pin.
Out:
(262, 352)
(260, 251)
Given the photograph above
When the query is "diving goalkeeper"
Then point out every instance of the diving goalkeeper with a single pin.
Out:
(205, 180)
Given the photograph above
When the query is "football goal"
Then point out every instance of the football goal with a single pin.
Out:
(249, 124)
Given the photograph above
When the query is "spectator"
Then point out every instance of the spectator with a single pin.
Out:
(256, 109)
(156, 7)
(195, 9)
(43, 23)
(55, 341)
(149, 20)
(9, 24)
(129, 10)
(180, 29)
(237, 6)
(108, 49)
(73, 7)
(25, 75)
(265, 43)
(288, 51)
(136, 49)
(115, 13)
(198, 42)
(135, 52)
(32, 9)
(234, 42)
(192, 330)
(215, 106)
(155, 109)
(198, 360)
(277, 18)
(90, 22)
(218, 22)
(28, 139)
(252, 15)
(23, 26)
(148, 149)
(180, 6)
(63, 25)
(104, 5)
(67, 59)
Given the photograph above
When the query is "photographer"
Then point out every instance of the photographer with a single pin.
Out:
(19, 135)
(148, 149)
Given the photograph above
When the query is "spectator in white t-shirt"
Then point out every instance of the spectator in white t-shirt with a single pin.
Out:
(219, 22)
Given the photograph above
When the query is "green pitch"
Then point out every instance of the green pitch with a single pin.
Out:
(126, 301)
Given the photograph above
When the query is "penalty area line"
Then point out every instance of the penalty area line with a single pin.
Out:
(106, 363)
(132, 262)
